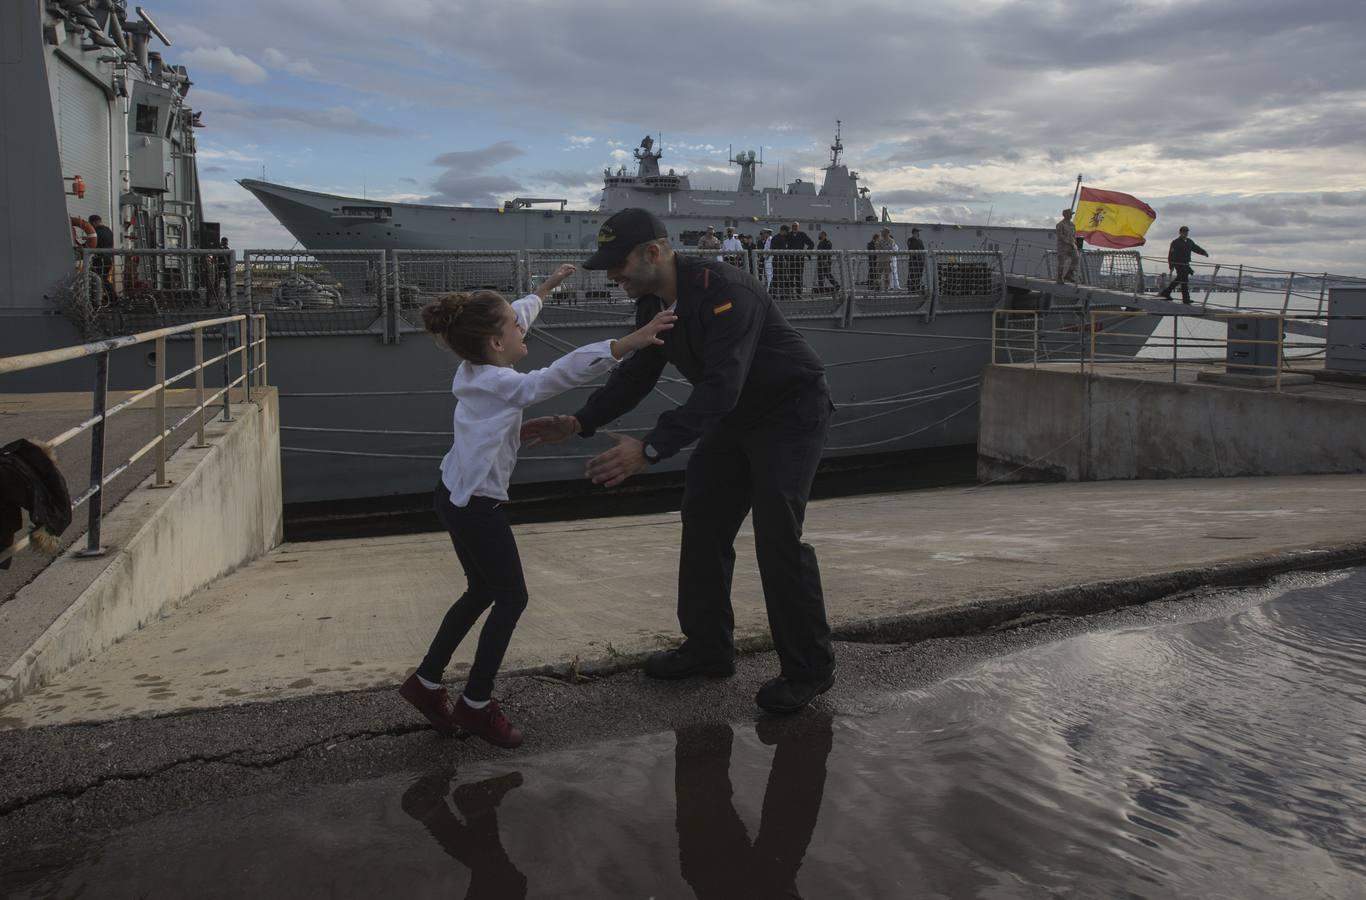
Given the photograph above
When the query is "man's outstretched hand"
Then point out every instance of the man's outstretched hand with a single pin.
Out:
(614, 466)
(548, 430)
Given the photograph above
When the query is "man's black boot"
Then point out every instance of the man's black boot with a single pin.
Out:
(683, 663)
(783, 695)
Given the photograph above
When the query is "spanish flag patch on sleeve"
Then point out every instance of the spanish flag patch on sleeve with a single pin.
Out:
(724, 307)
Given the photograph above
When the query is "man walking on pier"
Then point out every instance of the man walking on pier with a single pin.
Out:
(1179, 259)
(760, 412)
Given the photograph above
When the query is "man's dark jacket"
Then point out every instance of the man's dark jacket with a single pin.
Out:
(1179, 253)
(748, 367)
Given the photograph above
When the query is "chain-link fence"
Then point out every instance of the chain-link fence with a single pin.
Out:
(588, 297)
(806, 284)
(1111, 270)
(123, 291)
(888, 282)
(318, 291)
(968, 281)
(421, 276)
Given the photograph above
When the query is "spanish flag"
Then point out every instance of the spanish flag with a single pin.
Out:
(1111, 219)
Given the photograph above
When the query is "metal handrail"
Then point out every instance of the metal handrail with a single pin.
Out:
(247, 342)
(1019, 331)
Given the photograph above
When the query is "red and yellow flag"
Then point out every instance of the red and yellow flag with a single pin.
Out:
(1111, 219)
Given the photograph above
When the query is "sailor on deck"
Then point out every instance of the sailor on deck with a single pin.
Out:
(1068, 257)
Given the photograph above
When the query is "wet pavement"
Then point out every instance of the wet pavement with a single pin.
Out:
(1207, 745)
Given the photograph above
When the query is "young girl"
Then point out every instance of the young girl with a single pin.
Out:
(488, 334)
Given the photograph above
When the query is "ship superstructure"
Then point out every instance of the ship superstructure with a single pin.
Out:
(96, 123)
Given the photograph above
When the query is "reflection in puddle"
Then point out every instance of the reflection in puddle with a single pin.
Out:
(471, 836)
(715, 853)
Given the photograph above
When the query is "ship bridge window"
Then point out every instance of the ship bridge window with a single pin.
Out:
(146, 122)
(368, 212)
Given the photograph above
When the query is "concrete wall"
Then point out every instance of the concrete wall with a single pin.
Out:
(224, 508)
(1061, 425)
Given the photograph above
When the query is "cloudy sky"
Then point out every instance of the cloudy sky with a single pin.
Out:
(1244, 119)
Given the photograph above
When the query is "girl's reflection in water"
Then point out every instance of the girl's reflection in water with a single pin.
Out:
(473, 842)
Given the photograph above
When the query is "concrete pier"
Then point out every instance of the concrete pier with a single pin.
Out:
(1058, 422)
(357, 614)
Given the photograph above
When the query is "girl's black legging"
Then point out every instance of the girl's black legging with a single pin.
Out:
(488, 552)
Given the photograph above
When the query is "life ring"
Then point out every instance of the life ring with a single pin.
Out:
(89, 230)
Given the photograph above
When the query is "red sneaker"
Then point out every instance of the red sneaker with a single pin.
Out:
(434, 703)
(488, 723)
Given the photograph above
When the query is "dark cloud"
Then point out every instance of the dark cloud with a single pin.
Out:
(406, 180)
(467, 179)
(460, 189)
(209, 170)
(234, 116)
(481, 159)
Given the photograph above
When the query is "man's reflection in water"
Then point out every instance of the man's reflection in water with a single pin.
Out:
(473, 842)
(714, 849)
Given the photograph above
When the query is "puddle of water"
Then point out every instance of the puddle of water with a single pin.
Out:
(1216, 759)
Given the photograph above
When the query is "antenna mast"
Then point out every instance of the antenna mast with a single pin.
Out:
(836, 148)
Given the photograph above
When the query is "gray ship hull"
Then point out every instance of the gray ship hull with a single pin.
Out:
(332, 222)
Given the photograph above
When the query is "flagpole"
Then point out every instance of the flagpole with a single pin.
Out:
(1081, 241)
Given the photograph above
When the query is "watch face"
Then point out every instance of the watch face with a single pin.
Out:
(651, 452)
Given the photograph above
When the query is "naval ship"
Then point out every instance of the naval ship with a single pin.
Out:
(840, 206)
(98, 122)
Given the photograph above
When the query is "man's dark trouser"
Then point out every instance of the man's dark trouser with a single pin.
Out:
(1183, 274)
(769, 470)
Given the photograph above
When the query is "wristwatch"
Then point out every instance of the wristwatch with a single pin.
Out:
(651, 454)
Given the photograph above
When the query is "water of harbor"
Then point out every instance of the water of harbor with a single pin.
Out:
(1214, 758)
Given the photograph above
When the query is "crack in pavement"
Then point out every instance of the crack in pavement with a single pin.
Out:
(239, 758)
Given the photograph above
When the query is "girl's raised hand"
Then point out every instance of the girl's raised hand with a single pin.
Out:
(646, 336)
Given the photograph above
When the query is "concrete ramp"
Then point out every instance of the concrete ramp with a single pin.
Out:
(222, 508)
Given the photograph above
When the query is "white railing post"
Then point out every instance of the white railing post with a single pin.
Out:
(199, 383)
(161, 413)
(96, 511)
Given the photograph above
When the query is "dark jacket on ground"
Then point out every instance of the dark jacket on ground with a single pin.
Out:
(30, 480)
(748, 367)
(1179, 254)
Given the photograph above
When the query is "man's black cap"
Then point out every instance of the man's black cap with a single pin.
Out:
(621, 234)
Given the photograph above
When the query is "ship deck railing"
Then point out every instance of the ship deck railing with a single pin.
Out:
(1260, 344)
(1238, 287)
(243, 366)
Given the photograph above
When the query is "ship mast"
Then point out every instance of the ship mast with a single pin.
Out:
(836, 148)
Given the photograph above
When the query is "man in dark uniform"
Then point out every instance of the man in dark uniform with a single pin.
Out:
(1179, 258)
(798, 240)
(823, 266)
(102, 264)
(760, 411)
(915, 266)
(782, 265)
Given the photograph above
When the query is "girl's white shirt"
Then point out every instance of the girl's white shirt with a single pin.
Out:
(488, 410)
